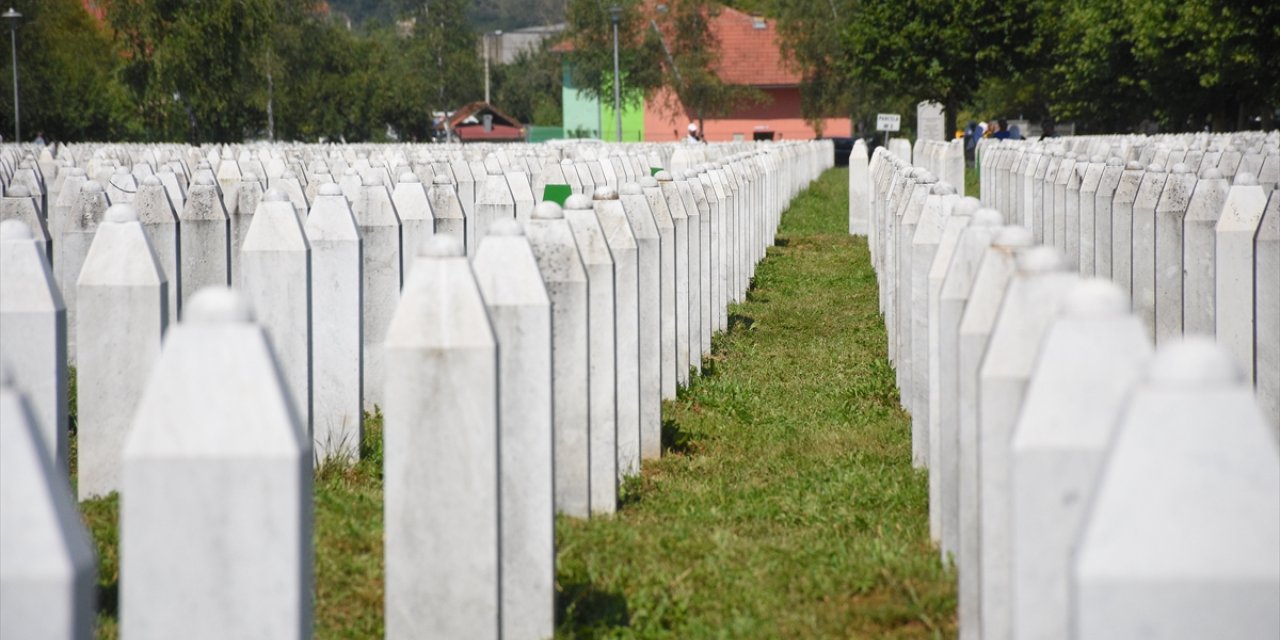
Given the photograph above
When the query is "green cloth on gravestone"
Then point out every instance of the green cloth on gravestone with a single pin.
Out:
(556, 193)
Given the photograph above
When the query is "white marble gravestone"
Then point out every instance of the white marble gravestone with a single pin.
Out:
(337, 354)
(649, 287)
(622, 245)
(47, 564)
(383, 268)
(1199, 242)
(1182, 538)
(275, 277)
(1032, 300)
(33, 336)
(205, 239)
(1090, 359)
(602, 384)
(122, 295)
(520, 310)
(447, 209)
(1234, 270)
(566, 280)
(441, 454)
(216, 515)
(417, 224)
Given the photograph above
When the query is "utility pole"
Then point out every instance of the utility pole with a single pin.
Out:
(13, 18)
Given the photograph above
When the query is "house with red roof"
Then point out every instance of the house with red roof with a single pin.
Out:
(749, 55)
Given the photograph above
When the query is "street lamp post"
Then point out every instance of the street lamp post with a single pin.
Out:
(13, 18)
(615, 16)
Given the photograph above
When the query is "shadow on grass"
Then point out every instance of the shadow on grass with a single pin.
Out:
(585, 611)
(739, 321)
(109, 599)
(781, 241)
(675, 440)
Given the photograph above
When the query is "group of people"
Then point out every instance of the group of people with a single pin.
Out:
(1000, 130)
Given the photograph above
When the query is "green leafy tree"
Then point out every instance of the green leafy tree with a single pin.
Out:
(530, 87)
(692, 53)
(68, 76)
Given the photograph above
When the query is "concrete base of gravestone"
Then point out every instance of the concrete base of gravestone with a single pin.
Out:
(33, 335)
(602, 351)
(47, 567)
(622, 246)
(1096, 351)
(205, 239)
(124, 314)
(275, 277)
(442, 469)
(507, 274)
(566, 280)
(216, 515)
(1031, 303)
(337, 354)
(1181, 537)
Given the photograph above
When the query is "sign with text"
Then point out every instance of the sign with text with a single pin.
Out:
(888, 121)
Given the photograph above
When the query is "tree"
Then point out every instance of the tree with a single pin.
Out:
(67, 68)
(529, 88)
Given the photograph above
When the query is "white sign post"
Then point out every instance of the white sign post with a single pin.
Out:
(888, 122)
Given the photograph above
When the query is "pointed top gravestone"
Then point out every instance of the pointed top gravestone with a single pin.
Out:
(1182, 539)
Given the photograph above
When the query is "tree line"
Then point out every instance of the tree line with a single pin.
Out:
(229, 70)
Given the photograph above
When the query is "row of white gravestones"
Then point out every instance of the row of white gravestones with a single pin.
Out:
(482, 357)
(1193, 241)
(1084, 486)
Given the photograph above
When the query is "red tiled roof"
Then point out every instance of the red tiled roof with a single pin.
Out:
(749, 55)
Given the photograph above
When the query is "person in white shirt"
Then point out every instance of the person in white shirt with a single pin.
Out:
(693, 137)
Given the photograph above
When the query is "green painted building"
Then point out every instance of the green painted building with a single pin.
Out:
(587, 117)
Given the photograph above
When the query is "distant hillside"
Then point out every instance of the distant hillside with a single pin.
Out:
(484, 15)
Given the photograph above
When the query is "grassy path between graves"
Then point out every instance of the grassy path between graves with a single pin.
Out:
(784, 506)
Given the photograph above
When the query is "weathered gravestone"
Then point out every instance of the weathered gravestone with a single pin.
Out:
(1234, 270)
(602, 384)
(275, 275)
(649, 287)
(33, 335)
(47, 565)
(383, 265)
(1031, 302)
(216, 515)
(337, 354)
(69, 254)
(1199, 242)
(160, 221)
(1182, 538)
(205, 240)
(566, 277)
(449, 217)
(1090, 359)
(942, 462)
(417, 224)
(622, 245)
(441, 455)
(122, 295)
(520, 310)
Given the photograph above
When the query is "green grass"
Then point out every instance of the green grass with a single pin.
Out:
(784, 505)
(971, 181)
